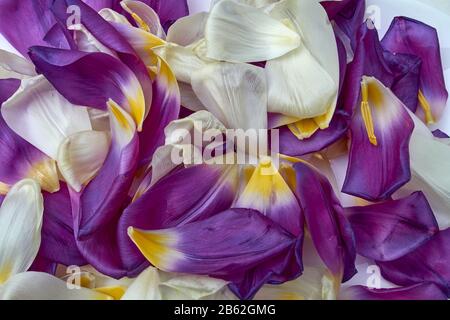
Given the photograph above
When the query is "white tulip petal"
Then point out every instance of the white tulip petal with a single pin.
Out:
(299, 86)
(112, 16)
(14, 66)
(81, 156)
(146, 18)
(43, 286)
(20, 228)
(236, 94)
(188, 97)
(182, 61)
(157, 285)
(40, 115)
(309, 19)
(313, 284)
(188, 30)
(253, 3)
(240, 33)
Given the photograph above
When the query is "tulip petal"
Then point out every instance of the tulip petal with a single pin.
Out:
(58, 239)
(106, 34)
(21, 160)
(237, 32)
(424, 146)
(409, 36)
(43, 117)
(313, 284)
(169, 10)
(317, 63)
(236, 94)
(20, 228)
(97, 208)
(388, 231)
(91, 79)
(81, 156)
(165, 108)
(421, 291)
(379, 153)
(25, 24)
(330, 230)
(211, 246)
(14, 67)
(428, 263)
(268, 193)
(290, 145)
(187, 30)
(153, 284)
(145, 17)
(42, 286)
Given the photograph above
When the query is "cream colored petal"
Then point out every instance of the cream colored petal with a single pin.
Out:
(112, 16)
(14, 66)
(81, 156)
(183, 61)
(86, 41)
(188, 97)
(240, 33)
(42, 286)
(20, 228)
(313, 284)
(236, 94)
(310, 19)
(157, 285)
(40, 115)
(299, 86)
(188, 30)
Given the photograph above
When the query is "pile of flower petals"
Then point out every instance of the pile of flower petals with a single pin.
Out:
(92, 198)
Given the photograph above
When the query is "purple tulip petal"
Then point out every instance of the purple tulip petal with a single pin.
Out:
(110, 38)
(379, 154)
(91, 79)
(169, 10)
(422, 291)
(428, 263)
(97, 5)
(439, 134)
(224, 246)
(409, 36)
(290, 145)
(174, 201)
(348, 15)
(388, 231)
(368, 61)
(407, 77)
(27, 23)
(267, 192)
(41, 264)
(58, 240)
(329, 229)
(164, 109)
(97, 208)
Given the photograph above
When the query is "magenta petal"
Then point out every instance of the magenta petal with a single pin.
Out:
(388, 231)
(27, 23)
(58, 240)
(422, 291)
(409, 36)
(428, 263)
(329, 229)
